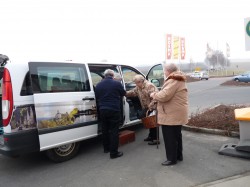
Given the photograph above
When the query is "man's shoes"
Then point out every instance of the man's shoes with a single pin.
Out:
(155, 142)
(106, 151)
(180, 158)
(168, 163)
(118, 154)
(148, 139)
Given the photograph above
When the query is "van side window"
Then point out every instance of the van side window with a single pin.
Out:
(97, 70)
(60, 77)
(96, 78)
(128, 75)
(156, 73)
(26, 87)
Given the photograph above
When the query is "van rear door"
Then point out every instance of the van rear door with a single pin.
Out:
(1, 119)
(1, 76)
(64, 101)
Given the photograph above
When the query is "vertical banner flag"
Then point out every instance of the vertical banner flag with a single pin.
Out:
(247, 33)
(176, 47)
(183, 48)
(169, 47)
(228, 50)
(209, 52)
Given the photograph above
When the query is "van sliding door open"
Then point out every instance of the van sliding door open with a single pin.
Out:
(65, 103)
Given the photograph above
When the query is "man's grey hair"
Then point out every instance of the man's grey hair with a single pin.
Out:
(109, 73)
(170, 67)
(138, 77)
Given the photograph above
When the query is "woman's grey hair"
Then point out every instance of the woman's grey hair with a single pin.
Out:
(138, 77)
(171, 67)
(109, 73)
(117, 76)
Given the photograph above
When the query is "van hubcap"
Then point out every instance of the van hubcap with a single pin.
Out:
(65, 150)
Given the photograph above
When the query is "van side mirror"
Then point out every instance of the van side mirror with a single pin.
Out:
(130, 86)
(156, 82)
(3, 59)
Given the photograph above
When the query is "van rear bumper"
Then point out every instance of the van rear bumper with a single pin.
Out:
(19, 143)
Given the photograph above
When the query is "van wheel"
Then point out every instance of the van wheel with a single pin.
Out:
(64, 152)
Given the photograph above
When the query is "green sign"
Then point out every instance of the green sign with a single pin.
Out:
(248, 28)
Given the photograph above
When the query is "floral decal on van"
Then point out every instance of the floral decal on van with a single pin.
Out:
(23, 118)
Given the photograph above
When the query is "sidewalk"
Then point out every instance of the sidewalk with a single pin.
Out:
(237, 180)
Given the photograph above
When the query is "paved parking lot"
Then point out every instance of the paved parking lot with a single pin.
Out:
(140, 165)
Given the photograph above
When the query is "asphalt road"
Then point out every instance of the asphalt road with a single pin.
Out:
(208, 93)
(141, 163)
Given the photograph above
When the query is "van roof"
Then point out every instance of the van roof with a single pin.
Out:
(65, 61)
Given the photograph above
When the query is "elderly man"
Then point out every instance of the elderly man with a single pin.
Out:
(143, 90)
(172, 107)
(108, 94)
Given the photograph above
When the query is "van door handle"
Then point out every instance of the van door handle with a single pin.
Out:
(86, 98)
(128, 100)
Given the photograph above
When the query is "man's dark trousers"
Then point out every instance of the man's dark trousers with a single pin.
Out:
(110, 130)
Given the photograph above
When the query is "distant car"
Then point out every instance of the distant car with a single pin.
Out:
(243, 77)
(200, 75)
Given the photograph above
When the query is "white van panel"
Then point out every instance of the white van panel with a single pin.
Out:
(7, 129)
(44, 98)
(17, 74)
(55, 139)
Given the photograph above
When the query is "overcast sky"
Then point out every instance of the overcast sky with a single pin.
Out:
(124, 31)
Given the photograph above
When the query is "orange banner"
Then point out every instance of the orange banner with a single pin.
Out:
(169, 47)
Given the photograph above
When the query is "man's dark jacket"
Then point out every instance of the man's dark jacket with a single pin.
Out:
(108, 94)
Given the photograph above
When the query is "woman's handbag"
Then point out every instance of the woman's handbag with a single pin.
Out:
(150, 120)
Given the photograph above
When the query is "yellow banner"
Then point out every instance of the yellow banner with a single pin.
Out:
(182, 48)
(176, 47)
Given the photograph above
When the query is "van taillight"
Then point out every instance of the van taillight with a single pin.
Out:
(7, 98)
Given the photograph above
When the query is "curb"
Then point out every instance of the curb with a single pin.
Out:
(211, 131)
(233, 180)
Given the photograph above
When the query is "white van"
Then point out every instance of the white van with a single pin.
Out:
(51, 106)
(200, 75)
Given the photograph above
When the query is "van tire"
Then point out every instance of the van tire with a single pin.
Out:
(64, 152)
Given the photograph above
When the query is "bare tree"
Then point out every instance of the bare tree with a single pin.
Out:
(216, 58)
(191, 64)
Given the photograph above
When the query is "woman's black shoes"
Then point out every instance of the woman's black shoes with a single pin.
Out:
(155, 142)
(148, 139)
(168, 163)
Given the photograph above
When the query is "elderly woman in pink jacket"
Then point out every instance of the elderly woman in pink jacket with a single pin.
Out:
(172, 110)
